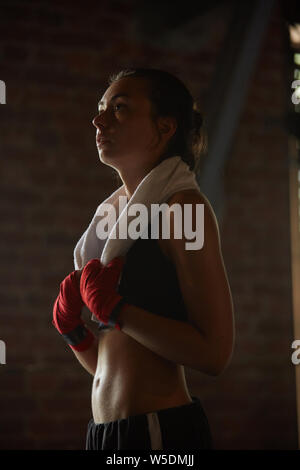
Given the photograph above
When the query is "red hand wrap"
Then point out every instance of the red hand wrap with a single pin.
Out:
(98, 286)
(67, 311)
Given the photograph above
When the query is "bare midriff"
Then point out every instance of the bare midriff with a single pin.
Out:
(130, 379)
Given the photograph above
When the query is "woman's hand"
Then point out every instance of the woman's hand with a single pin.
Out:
(67, 312)
(98, 288)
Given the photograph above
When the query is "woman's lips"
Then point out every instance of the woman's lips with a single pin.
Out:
(101, 142)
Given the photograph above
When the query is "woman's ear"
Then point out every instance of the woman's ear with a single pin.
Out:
(167, 125)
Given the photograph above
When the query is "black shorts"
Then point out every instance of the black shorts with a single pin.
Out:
(180, 427)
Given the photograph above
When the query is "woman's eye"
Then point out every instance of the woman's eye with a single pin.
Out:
(119, 104)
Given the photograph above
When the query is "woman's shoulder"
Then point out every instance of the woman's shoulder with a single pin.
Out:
(193, 197)
(190, 196)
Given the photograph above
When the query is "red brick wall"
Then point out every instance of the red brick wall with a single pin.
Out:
(55, 59)
(256, 243)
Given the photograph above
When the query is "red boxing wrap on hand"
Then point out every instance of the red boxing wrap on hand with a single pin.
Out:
(98, 288)
(66, 314)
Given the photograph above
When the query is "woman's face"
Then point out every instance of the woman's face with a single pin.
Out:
(125, 120)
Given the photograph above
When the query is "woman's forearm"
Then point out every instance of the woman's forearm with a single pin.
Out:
(89, 358)
(177, 341)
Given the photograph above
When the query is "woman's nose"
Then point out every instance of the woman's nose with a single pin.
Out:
(96, 120)
(100, 119)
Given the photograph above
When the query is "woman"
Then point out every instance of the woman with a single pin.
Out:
(173, 307)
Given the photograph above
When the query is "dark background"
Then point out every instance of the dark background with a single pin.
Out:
(55, 58)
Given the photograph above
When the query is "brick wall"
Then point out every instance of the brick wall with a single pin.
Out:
(256, 241)
(55, 59)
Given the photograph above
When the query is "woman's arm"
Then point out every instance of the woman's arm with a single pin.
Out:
(89, 358)
(174, 340)
(206, 342)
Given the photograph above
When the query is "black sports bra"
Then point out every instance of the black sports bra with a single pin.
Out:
(149, 281)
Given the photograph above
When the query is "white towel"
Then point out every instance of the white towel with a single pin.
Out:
(165, 179)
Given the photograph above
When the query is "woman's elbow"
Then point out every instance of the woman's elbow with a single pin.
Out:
(219, 369)
(223, 361)
(220, 355)
(214, 367)
(222, 347)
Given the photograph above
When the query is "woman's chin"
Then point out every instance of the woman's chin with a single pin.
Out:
(104, 155)
(108, 159)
